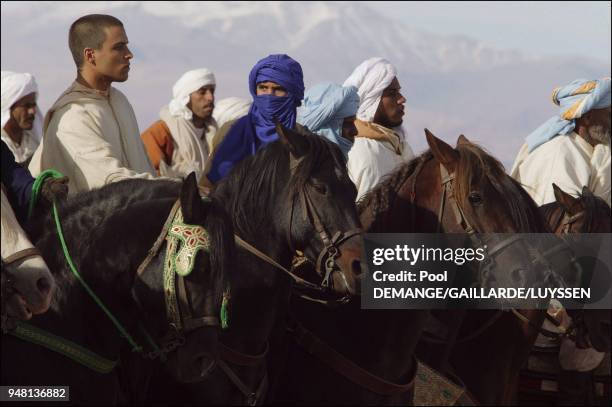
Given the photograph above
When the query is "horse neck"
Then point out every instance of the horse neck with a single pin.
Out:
(74, 315)
(259, 291)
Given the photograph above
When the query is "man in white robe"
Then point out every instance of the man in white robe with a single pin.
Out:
(380, 145)
(571, 150)
(21, 117)
(90, 132)
(178, 143)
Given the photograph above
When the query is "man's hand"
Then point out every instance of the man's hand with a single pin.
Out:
(54, 189)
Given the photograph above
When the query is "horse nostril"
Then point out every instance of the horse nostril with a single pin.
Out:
(43, 285)
(356, 267)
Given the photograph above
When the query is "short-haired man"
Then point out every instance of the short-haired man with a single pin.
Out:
(90, 132)
(380, 145)
(177, 144)
(21, 117)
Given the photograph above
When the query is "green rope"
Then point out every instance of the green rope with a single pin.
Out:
(135, 346)
(36, 187)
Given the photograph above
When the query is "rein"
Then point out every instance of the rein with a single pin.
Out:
(229, 355)
(347, 368)
(89, 358)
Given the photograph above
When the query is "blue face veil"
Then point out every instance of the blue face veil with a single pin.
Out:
(257, 128)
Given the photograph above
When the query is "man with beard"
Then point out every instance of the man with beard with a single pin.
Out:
(380, 144)
(179, 143)
(21, 117)
(571, 150)
(90, 132)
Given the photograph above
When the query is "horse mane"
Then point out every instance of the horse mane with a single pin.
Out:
(473, 161)
(380, 198)
(253, 187)
(594, 206)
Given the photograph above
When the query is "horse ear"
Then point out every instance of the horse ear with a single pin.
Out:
(564, 199)
(442, 151)
(191, 203)
(294, 141)
(463, 140)
(586, 192)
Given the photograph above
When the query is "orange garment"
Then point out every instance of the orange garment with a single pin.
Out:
(158, 143)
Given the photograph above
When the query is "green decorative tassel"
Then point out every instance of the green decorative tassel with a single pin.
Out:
(225, 309)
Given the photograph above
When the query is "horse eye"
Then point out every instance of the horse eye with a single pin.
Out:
(475, 198)
(320, 188)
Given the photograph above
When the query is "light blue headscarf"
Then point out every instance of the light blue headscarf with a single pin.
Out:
(574, 101)
(325, 107)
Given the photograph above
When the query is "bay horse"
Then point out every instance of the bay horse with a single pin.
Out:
(380, 344)
(109, 231)
(295, 194)
(27, 283)
(586, 213)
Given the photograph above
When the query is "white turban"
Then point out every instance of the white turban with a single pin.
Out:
(15, 86)
(371, 78)
(187, 84)
(229, 109)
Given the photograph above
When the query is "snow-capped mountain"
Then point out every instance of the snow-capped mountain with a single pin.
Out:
(453, 84)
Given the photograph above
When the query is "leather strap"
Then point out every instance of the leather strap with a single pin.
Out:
(345, 367)
(241, 359)
(21, 254)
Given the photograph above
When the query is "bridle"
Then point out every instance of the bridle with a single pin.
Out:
(326, 260)
(487, 265)
(181, 319)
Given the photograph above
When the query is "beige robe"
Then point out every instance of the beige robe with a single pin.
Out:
(191, 148)
(24, 151)
(93, 138)
(568, 161)
(377, 151)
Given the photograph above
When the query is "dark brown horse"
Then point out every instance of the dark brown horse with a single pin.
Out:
(584, 214)
(295, 194)
(376, 365)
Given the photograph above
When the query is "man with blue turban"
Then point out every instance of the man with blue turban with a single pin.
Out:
(572, 149)
(330, 110)
(276, 84)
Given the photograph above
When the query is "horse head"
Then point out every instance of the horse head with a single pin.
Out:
(320, 214)
(483, 200)
(585, 213)
(192, 285)
(27, 283)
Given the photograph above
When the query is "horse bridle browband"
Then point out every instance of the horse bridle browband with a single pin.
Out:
(180, 323)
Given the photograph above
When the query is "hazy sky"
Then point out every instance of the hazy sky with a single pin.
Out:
(540, 27)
